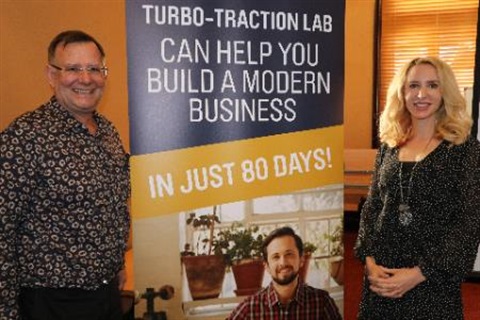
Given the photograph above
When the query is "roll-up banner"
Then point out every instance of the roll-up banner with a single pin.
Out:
(236, 110)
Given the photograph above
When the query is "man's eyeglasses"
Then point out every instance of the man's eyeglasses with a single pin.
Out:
(76, 70)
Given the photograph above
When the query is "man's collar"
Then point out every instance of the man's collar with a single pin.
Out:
(67, 119)
(299, 296)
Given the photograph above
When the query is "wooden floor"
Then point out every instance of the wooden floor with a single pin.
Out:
(353, 282)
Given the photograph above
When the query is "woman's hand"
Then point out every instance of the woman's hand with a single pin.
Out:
(374, 270)
(392, 283)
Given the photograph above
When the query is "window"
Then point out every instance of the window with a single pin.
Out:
(411, 28)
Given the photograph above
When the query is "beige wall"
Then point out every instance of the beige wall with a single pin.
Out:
(359, 64)
(27, 27)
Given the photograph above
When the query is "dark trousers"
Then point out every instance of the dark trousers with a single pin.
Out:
(71, 304)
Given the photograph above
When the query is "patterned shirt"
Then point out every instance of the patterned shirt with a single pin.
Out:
(309, 303)
(64, 219)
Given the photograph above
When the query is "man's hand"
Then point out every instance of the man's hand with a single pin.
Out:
(122, 279)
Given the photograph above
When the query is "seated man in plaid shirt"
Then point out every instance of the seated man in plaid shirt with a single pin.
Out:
(287, 297)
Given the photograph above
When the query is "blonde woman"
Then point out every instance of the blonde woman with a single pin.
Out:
(420, 226)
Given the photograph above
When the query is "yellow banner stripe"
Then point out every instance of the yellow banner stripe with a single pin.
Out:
(185, 179)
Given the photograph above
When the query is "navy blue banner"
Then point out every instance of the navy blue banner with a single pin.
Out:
(205, 72)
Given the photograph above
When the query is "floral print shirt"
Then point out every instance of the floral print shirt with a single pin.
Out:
(64, 220)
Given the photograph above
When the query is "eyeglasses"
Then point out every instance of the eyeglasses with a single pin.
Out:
(76, 70)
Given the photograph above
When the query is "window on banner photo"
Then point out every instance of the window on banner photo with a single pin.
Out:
(315, 214)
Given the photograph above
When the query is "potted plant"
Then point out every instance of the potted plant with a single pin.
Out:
(243, 250)
(335, 238)
(204, 268)
(308, 249)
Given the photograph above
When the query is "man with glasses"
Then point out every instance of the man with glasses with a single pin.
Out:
(64, 186)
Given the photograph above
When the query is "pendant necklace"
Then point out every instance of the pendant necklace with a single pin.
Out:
(404, 209)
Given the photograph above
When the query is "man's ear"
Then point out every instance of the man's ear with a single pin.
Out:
(49, 73)
(302, 260)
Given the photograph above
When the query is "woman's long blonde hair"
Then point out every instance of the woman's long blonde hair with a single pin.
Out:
(453, 121)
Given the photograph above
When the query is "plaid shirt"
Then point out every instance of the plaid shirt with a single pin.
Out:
(308, 304)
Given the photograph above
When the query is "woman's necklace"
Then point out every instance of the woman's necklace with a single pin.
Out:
(405, 212)
(406, 215)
